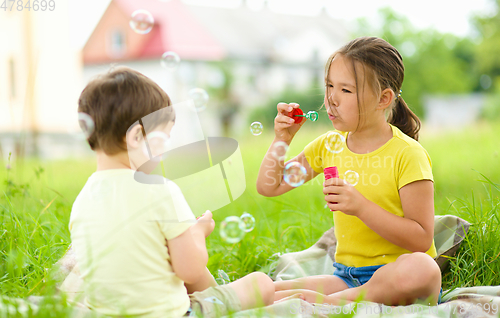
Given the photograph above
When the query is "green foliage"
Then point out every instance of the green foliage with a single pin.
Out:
(455, 154)
(310, 99)
(491, 109)
(434, 62)
(488, 27)
(221, 92)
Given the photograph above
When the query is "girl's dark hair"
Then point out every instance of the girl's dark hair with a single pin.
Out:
(383, 65)
(116, 101)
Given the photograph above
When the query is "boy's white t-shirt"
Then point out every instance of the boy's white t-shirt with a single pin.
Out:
(119, 229)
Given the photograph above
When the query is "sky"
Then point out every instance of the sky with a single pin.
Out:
(450, 16)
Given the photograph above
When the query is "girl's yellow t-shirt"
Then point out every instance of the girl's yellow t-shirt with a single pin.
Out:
(382, 173)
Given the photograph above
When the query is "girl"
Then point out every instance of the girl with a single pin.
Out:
(384, 224)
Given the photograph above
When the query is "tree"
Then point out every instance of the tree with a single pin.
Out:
(435, 63)
(226, 100)
(488, 50)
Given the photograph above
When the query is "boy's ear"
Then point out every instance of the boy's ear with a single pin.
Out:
(386, 98)
(134, 137)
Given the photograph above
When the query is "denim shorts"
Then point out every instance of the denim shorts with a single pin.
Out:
(354, 276)
(357, 276)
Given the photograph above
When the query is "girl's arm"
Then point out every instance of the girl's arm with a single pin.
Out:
(270, 179)
(413, 232)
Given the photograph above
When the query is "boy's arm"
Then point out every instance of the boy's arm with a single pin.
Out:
(188, 252)
(206, 280)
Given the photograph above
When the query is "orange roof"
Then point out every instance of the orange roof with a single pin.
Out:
(175, 29)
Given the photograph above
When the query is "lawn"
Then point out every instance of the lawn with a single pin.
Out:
(36, 200)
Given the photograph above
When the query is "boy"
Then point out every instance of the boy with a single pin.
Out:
(139, 248)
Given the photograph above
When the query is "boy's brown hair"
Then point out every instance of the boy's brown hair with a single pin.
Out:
(118, 99)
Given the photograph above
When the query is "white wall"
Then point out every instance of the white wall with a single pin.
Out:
(452, 111)
(47, 74)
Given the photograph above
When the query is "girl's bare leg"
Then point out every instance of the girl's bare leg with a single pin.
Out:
(304, 294)
(410, 277)
(324, 284)
(254, 290)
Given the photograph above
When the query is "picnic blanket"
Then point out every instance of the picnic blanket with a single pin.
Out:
(449, 232)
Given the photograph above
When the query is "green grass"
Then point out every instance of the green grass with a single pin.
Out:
(36, 199)
(459, 158)
(478, 261)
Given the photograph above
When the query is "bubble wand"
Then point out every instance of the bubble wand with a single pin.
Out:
(298, 113)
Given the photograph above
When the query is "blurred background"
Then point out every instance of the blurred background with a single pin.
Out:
(247, 54)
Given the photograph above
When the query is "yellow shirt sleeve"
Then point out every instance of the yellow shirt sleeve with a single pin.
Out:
(414, 164)
(314, 153)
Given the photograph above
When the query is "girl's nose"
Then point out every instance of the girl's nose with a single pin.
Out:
(332, 101)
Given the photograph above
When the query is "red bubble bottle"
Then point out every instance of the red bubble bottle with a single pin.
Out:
(331, 172)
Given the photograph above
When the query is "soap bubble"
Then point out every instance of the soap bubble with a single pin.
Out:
(223, 277)
(86, 124)
(312, 115)
(199, 97)
(352, 177)
(156, 144)
(170, 60)
(220, 281)
(231, 229)
(248, 222)
(142, 21)
(335, 142)
(279, 150)
(256, 128)
(295, 174)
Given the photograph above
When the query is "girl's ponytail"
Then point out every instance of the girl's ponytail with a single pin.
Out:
(403, 118)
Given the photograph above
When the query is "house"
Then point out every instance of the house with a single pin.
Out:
(452, 112)
(39, 80)
(239, 55)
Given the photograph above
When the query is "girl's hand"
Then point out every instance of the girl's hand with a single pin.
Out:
(205, 223)
(342, 196)
(284, 126)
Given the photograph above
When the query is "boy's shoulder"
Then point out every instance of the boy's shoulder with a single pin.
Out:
(125, 185)
(144, 178)
(127, 177)
(125, 191)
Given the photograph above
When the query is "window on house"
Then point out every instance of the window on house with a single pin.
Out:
(117, 45)
(12, 78)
